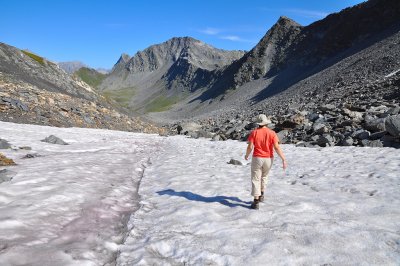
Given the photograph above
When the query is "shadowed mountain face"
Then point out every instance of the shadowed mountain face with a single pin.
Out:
(291, 52)
(175, 66)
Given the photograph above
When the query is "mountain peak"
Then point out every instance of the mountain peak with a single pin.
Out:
(285, 21)
(123, 59)
(71, 66)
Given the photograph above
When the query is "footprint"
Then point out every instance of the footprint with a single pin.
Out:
(372, 193)
(351, 190)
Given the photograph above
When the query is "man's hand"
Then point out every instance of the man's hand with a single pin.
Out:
(284, 164)
(248, 150)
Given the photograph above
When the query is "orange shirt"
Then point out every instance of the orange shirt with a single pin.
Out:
(263, 140)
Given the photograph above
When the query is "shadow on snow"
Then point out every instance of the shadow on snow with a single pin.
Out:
(224, 200)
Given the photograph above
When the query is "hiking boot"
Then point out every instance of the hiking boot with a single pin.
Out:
(255, 205)
(261, 198)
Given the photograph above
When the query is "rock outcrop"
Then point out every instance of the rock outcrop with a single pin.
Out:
(35, 90)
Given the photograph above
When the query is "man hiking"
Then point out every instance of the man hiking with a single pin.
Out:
(264, 141)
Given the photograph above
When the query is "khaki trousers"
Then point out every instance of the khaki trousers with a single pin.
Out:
(259, 174)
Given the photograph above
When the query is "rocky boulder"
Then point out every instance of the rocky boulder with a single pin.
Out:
(54, 140)
(392, 125)
(4, 161)
(6, 175)
(375, 124)
(4, 144)
(235, 162)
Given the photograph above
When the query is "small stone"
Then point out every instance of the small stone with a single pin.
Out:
(31, 155)
(27, 148)
(4, 161)
(4, 144)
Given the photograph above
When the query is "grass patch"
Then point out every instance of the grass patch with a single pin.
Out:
(90, 76)
(121, 96)
(161, 103)
(37, 58)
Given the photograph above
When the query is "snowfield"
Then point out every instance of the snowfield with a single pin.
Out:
(119, 198)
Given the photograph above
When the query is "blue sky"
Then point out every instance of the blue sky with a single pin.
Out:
(97, 32)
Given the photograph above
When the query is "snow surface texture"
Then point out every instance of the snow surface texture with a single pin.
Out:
(69, 206)
(333, 206)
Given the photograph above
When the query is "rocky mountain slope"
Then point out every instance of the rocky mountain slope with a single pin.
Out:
(165, 73)
(290, 52)
(35, 90)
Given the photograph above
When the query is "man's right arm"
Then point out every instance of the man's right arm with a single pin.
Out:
(280, 153)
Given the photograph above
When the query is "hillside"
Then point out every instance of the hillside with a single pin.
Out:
(35, 90)
(90, 76)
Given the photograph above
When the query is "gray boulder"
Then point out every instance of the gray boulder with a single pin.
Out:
(282, 135)
(15, 103)
(390, 141)
(305, 144)
(377, 135)
(54, 140)
(31, 155)
(320, 128)
(394, 110)
(6, 175)
(375, 125)
(358, 116)
(361, 134)
(392, 125)
(201, 134)
(190, 127)
(372, 143)
(327, 107)
(325, 140)
(4, 144)
(216, 138)
(348, 141)
(314, 116)
(235, 162)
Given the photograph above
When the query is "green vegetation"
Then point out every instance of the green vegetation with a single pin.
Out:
(121, 96)
(161, 103)
(37, 58)
(90, 76)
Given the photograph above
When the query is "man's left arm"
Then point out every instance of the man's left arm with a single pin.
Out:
(249, 149)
